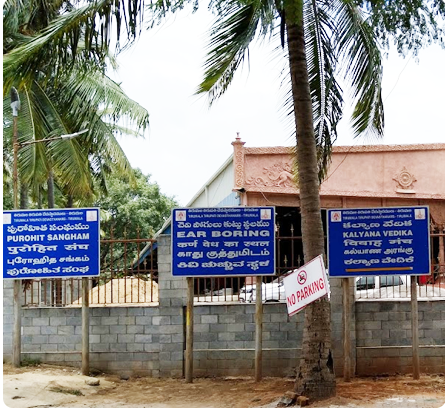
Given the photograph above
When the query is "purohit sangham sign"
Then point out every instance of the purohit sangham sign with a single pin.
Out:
(51, 243)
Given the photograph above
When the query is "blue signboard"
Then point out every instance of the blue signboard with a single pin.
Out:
(379, 241)
(51, 243)
(223, 241)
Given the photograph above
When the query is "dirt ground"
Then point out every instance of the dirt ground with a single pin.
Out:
(54, 386)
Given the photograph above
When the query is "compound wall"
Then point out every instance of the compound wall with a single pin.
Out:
(147, 340)
(384, 337)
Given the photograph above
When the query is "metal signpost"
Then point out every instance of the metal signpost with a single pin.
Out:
(51, 243)
(380, 241)
(218, 242)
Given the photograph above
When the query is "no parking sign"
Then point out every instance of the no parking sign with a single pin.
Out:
(305, 285)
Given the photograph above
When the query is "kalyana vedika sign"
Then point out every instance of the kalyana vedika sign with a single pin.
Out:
(379, 241)
(51, 243)
(223, 241)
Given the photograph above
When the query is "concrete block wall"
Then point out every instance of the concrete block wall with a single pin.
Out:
(172, 298)
(122, 339)
(233, 362)
(150, 341)
(224, 340)
(336, 299)
(8, 318)
(142, 340)
(384, 337)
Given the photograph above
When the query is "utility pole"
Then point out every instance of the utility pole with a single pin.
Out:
(17, 303)
(17, 331)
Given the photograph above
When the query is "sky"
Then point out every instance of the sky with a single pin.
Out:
(188, 141)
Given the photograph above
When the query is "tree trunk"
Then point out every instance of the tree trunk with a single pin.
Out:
(57, 283)
(51, 202)
(316, 378)
(23, 195)
(40, 198)
(26, 284)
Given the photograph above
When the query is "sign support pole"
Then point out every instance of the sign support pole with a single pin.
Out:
(189, 332)
(85, 327)
(81, 244)
(205, 227)
(258, 330)
(17, 340)
(346, 331)
(415, 327)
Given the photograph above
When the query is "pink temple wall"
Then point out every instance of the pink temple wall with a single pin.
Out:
(404, 171)
(359, 176)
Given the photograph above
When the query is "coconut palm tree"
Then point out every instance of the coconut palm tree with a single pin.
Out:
(321, 37)
(56, 101)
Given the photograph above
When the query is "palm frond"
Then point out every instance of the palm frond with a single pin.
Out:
(361, 59)
(70, 166)
(160, 9)
(326, 93)
(105, 94)
(118, 128)
(29, 123)
(32, 125)
(11, 3)
(235, 28)
(38, 159)
(56, 46)
(26, 126)
(106, 151)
